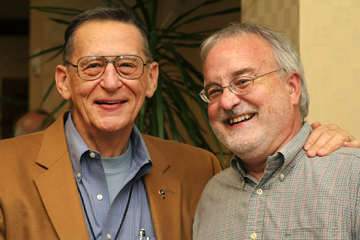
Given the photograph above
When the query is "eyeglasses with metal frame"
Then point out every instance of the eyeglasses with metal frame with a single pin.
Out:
(239, 86)
(129, 67)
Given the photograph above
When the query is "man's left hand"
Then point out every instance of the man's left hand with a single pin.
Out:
(328, 138)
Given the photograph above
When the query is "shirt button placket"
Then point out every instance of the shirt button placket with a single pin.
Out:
(259, 193)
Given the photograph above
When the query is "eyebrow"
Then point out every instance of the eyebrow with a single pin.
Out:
(238, 73)
(241, 72)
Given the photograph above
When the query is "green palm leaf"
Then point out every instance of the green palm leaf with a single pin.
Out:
(179, 82)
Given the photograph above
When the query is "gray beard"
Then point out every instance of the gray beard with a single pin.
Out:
(237, 145)
(243, 143)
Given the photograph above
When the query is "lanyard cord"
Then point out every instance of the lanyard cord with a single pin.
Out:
(126, 209)
(87, 216)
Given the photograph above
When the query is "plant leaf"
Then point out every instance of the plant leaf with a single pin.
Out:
(58, 10)
(48, 92)
(171, 108)
(57, 20)
(49, 50)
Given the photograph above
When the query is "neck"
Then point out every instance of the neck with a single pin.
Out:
(255, 161)
(108, 144)
(111, 147)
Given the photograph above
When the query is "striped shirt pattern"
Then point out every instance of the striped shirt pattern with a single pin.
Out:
(297, 197)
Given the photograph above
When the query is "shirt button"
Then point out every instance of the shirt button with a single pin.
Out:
(108, 236)
(259, 191)
(92, 155)
(99, 197)
(79, 175)
(253, 236)
(282, 176)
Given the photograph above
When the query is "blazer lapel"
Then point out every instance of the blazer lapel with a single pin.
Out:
(57, 186)
(166, 207)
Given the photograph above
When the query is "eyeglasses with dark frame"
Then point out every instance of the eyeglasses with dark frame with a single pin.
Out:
(239, 86)
(129, 67)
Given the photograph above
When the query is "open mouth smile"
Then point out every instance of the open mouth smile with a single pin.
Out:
(109, 103)
(240, 118)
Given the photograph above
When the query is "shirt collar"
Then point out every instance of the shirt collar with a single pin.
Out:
(140, 153)
(294, 149)
(77, 146)
(288, 153)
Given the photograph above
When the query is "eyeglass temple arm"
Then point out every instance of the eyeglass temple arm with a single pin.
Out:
(67, 62)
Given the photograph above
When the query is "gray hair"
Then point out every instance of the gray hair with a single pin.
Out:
(284, 54)
(106, 14)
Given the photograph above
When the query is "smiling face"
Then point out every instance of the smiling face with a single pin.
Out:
(110, 104)
(256, 124)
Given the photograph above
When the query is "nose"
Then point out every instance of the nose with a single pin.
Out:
(111, 80)
(228, 99)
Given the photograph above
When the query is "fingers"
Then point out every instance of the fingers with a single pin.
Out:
(315, 125)
(325, 143)
(314, 136)
(352, 144)
(326, 139)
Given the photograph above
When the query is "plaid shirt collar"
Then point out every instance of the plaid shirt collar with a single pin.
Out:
(284, 158)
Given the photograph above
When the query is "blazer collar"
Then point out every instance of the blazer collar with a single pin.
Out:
(164, 195)
(57, 187)
(58, 191)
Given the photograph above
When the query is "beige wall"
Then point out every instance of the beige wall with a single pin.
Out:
(326, 34)
(281, 15)
(330, 50)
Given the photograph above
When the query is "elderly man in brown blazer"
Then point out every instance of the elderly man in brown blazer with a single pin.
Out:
(39, 198)
(91, 174)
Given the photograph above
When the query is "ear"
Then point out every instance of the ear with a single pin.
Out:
(61, 79)
(153, 74)
(293, 83)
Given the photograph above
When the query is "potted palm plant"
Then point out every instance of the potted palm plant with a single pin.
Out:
(170, 112)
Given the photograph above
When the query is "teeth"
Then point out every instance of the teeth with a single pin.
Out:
(111, 103)
(241, 118)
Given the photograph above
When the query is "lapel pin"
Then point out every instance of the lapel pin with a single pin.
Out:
(162, 193)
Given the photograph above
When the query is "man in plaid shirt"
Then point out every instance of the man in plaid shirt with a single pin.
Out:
(256, 90)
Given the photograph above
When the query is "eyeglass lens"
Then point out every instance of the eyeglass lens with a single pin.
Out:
(239, 86)
(129, 67)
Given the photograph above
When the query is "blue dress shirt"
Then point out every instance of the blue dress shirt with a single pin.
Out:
(105, 218)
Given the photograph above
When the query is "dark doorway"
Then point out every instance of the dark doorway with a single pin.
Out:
(14, 103)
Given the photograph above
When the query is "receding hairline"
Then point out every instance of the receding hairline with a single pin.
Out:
(94, 21)
(248, 38)
(116, 14)
(233, 31)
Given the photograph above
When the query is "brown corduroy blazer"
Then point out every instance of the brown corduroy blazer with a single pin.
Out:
(39, 197)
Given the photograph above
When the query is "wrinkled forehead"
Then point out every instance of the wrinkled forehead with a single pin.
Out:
(90, 38)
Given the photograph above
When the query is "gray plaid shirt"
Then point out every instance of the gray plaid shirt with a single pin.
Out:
(297, 197)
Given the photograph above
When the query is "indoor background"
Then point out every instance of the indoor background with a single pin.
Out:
(326, 34)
